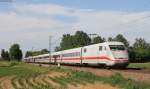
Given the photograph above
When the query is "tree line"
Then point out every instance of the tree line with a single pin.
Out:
(35, 53)
(139, 51)
(14, 53)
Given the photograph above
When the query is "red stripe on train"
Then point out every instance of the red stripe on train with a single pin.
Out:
(97, 58)
(121, 60)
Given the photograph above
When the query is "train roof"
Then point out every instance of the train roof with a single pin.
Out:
(113, 43)
(104, 43)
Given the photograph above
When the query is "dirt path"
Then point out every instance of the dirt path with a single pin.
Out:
(6, 83)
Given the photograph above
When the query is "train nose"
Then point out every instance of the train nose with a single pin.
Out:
(120, 55)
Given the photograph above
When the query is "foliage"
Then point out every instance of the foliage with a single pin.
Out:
(43, 51)
(15, 52)
(121, 38)
(28, 53)
(79, 39)
(98, 39)
(120, 81)
(67, 42)
(140, 43)
(57, 48)
(5, 55)
(35, 53)
(20, 69)
(82, 39)
(131, 54)
(110, 39)
(140, 52)
(79, 77)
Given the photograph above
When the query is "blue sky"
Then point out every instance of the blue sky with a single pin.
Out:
(30, 22)
(123, 5)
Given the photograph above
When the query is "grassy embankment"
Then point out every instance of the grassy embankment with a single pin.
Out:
(139, 65)
(26, 76)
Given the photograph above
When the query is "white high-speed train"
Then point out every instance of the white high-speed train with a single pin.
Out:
(112, 54)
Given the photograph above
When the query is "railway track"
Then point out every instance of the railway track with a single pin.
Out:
(136, 74)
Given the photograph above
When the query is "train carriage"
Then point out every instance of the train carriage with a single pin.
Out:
(107, 53)
(71, 56)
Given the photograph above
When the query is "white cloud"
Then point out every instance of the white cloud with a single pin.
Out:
(13, 21)
(31, 24)
(49, 9)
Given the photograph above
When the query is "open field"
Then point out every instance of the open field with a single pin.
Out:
(15, 75)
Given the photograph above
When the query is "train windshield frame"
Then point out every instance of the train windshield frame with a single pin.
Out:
(117, 47)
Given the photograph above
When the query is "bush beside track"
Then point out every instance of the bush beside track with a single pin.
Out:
(27, 76)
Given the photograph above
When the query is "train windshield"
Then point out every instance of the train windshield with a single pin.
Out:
(117, 47)
(119, 51)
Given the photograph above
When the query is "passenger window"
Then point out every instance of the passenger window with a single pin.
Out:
(85, 50)
(100, 48)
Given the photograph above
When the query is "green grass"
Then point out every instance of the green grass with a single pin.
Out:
(139, 65)
(4, 64)
(22, 72)
(117, 80)
(120, 81)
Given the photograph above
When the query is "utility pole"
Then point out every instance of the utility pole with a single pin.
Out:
(50, 44)
(32, 54)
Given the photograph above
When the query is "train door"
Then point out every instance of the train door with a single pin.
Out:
(56, 58)
(102, 54)
(104, 51)
(101, 50)
(84, 55)
(61, 58)
(106, 56)
(81, 55)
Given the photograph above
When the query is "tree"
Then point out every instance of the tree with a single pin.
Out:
(35, 53)
(44, 51)
(57, 48)
(98, 39)
(141, 49)
(15, 52)
(67, 42)
(28, 53)
(110, 39)
(5, 55)
(140, 43)
(81, 39)
(132, 54)
(121, 38)
(73, 41)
